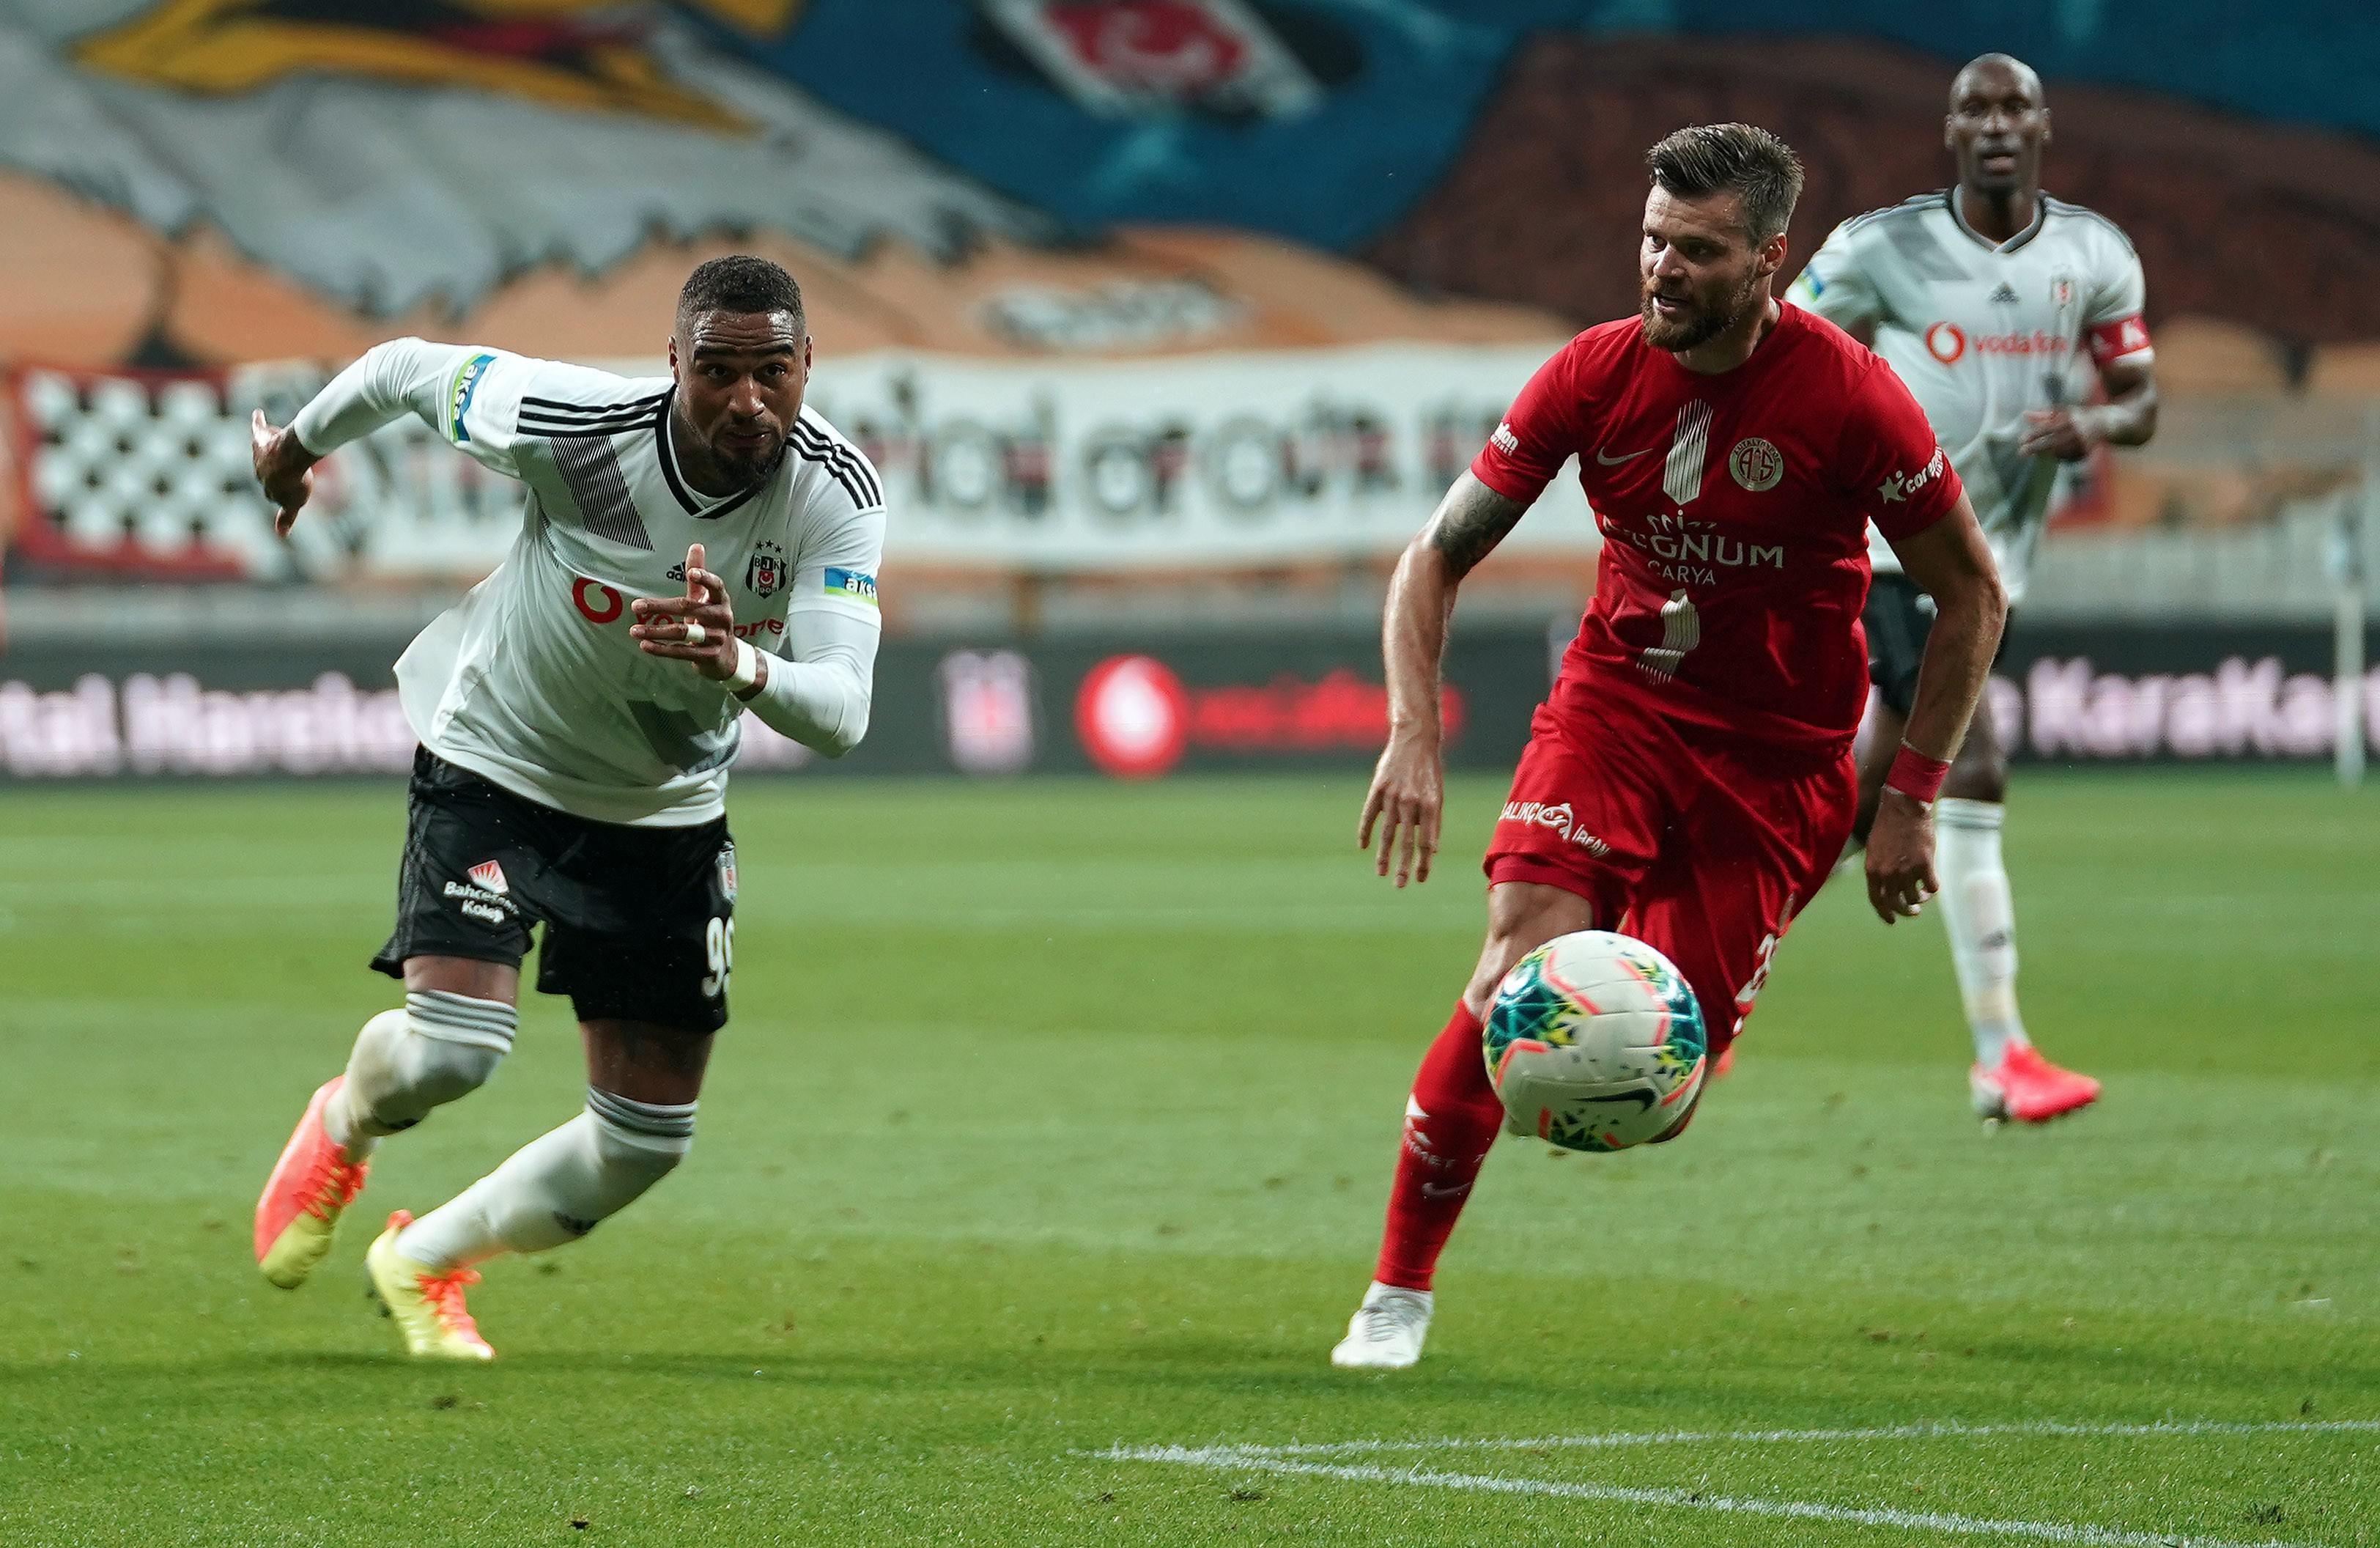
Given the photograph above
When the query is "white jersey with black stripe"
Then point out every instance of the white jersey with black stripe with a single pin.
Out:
(532, 681)
(1982, 332)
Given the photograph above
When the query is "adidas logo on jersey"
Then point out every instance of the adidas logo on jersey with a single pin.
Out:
(675, 572)
(2005, 295)
(490, 875)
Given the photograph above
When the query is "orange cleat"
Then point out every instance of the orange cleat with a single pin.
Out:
(426, 1305)
(311, 1184)
(2028, 1088)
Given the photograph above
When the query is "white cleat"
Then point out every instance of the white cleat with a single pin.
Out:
(1385, 1332)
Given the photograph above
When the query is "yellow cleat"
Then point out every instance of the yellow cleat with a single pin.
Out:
(311, 1184)
(428, 1305)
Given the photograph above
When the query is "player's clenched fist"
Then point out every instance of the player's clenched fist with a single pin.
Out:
(1408, 790)
(283, 467)
(699, 627)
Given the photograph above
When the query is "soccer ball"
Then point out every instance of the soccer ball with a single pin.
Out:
(1595, 1042)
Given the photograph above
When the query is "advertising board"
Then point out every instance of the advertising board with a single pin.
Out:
(1139, 706)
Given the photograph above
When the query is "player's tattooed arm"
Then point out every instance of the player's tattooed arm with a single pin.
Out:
(1469, 523)
(1408, 786)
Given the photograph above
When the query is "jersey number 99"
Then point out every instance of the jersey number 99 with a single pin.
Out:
(719, 951)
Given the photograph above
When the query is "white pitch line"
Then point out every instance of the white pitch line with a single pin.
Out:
(1940, 1429)
(1238, 1458)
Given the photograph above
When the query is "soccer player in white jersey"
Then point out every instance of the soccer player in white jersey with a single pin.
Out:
(1984, 298)
(577, 712)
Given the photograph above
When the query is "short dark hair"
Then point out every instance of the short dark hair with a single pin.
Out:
(740, 282)
(1750, 162)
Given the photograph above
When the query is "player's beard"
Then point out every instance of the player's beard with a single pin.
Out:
(1707, 319)
(746, 467)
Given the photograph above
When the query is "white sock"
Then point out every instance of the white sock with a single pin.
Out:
(559, 1186)
(1376, 1290)
(1981, 920)
(406, 1062)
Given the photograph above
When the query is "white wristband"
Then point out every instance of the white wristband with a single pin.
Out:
(748, 668)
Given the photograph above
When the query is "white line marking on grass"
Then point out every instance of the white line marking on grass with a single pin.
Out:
(1248, 1458)
(1945, 1429)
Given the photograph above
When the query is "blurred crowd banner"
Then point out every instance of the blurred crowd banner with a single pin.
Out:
(1142, 706)
(1213, 460)
(1208, 459)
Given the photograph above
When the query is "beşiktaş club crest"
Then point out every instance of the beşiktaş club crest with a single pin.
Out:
(1757, 464)
(767, 574)
(727, 874)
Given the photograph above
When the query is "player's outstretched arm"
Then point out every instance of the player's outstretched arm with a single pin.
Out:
(437, 382)
(1949, 562)
(1408, 786)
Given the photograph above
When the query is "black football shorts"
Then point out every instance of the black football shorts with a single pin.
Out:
(1897, 619)
(639, 922)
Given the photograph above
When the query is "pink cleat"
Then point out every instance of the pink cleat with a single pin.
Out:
(311, 1184)
(2028, 1088)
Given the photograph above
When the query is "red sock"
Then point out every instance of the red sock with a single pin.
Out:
(1449, 1123)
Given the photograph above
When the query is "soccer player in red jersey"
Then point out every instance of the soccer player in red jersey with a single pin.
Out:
(1689, 779)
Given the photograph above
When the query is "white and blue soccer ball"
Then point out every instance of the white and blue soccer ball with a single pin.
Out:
(1595, 1043)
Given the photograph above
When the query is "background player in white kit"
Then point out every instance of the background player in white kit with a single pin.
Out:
(1983, 298)
(577, 712)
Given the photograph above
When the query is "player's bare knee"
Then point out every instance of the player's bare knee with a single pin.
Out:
(1521, 915)
(646, 1061)
(463, 975)
(1982, 779)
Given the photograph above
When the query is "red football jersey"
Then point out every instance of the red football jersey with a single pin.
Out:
(1733, 509)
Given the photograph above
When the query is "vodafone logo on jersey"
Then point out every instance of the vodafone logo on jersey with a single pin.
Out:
(1133, 716)
(597, 602)
(1947, 343)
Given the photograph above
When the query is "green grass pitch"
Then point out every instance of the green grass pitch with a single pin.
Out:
(1053, 1131)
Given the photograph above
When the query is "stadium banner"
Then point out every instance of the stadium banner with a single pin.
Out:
(1225, 460)
(1134, 708)
(2072, 694)
(1137, 706)
(1258, 460)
